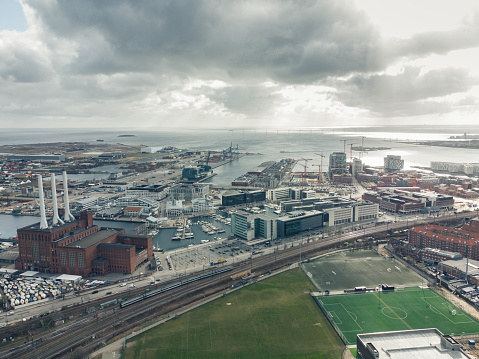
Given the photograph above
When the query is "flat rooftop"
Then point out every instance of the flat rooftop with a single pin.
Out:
(93, 239)
(116, 245)
(50, 229)
(411, 344)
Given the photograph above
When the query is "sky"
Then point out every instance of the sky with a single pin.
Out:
(236, 64)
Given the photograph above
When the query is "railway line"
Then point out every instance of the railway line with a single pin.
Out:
(91, 331)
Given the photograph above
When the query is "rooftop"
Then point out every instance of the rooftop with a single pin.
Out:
(116, 245)
(409, 344)
(93, 239)
(36, 226)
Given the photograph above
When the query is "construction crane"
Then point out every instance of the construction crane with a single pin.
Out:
(302, 174)
(320, 175)
(344, 142)
(351, 151)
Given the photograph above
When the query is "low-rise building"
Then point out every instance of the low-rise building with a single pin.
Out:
(417, 344)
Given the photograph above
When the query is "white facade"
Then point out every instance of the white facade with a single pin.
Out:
(145, 193)
(242, 225)
(150, 149)
(278, 194)
(174, 208)
(355, 213)
(265, 227)
(309, 194)
(87, 203)
(202, 205)
(365, 211)
(339, 215)
(357, 166)
(467, 168)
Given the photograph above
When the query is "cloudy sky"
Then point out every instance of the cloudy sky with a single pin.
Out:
(202, 63)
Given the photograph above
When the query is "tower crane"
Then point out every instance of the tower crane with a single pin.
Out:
(320, 175)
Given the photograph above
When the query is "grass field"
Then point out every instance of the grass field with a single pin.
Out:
(400, 310)
(274, 318)
(346, 270)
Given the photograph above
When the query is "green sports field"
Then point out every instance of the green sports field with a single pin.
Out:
(412, 308)
(346, 270)
(274, 318)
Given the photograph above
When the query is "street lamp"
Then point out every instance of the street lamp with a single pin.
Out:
(322, 290)
(379, 302)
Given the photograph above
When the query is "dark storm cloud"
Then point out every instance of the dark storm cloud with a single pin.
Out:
(140, 58)
(284, 40)
(406, 93)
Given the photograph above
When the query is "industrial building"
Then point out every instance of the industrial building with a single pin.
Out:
(461, 268)
(74, 245)
(417, 344)
(57, 157)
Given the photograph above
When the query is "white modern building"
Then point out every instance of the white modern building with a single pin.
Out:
(242, 225)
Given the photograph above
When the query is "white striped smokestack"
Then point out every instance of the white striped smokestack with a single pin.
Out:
(68, 216)
(43, 218)
(56, 219)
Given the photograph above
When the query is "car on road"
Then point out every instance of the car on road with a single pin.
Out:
(94, 292)
(108, 293)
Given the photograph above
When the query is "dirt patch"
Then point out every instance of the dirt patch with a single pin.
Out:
(228, 303)
(318, 325)
(130, 344)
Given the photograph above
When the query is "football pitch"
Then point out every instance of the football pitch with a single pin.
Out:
(346, 270)
(411, 308)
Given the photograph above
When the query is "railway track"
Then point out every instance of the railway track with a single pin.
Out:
(91, 331)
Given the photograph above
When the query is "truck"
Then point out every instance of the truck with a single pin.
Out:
(219, 261)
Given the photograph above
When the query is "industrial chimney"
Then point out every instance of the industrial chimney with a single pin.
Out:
(43, 218)
(56, 219)
(68, 216)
